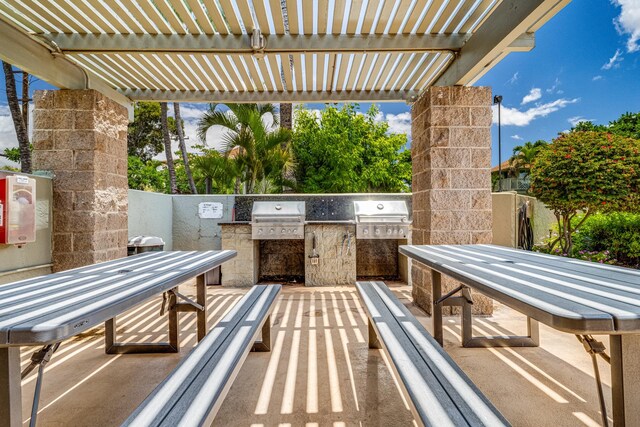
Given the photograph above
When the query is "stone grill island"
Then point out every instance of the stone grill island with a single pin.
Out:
(328, 255)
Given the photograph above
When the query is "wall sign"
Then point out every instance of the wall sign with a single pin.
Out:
(210, 210)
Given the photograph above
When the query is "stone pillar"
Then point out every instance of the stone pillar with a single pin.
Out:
(81, 137)
(451, 156)
(244, 268)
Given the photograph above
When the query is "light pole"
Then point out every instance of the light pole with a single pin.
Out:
(498, 100)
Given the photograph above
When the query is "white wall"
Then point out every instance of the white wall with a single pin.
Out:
(151, 214)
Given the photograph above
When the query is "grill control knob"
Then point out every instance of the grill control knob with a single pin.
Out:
(272, 231)
(377, 231)
(259, 230)
(284, 231)
(365, 231)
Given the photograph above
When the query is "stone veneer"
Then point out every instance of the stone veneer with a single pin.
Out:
(81, 137)
(243, 269)
(337, 261)
(451, 155)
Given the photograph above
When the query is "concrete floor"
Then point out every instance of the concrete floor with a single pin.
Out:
(320, 371)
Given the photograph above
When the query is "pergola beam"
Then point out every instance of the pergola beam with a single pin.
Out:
(241, 44)
(501, 33)
(271, 97)
(22, 51)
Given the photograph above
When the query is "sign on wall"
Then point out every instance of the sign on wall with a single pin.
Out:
(210, 210)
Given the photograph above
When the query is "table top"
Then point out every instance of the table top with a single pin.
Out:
(567, 294)
(54, 307)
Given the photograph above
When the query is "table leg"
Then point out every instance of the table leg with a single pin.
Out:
(436, 315)
(10, 387)
(201, 298)
(625, 371)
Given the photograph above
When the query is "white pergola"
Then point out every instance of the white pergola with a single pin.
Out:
(265, 50)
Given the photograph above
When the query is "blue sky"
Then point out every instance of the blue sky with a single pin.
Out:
(585, 66)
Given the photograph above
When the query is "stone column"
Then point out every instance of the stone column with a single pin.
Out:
(451, 156)
(81, 137)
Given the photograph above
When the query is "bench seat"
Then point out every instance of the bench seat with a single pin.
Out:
(192, 394)
(438, 391)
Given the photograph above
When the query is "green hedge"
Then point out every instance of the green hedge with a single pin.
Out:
(615, 233)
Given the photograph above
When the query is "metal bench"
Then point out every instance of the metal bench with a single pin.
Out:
(439, 393)
(192, 394)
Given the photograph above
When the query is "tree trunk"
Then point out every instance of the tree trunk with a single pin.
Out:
(167, 148)
(183, 147)
(22, 133)
(286, 111)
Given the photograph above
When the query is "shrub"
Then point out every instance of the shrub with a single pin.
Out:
(586, 172)
(618, 233)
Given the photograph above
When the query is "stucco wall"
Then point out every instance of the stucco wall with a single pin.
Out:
(151, 214)
(32, 259)
(505, 218)
(190, 232)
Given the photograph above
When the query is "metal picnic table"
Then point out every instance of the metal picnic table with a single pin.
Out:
(46, 310)
(578, 297)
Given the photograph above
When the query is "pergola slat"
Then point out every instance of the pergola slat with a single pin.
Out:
(185, 16)
(439, 26)
(338, 17)
(415, 15)
(142, 19)
(341, 72)
(400, 15)
(430, 16)
(482, 10)
(205, 71)
(224, 63)
(261, 15)
(68, 10)
(241, 76)
(357, 62)
(168, 12)
(390, 66)
(20, 21)
(386, 11)
(435, 70)
(276, 15)
(245, 14)
(307, 17)
(354, 16)
(154, 15)
(323, 16)
(151, 67)
(308, 69)
(134, 81)
(202, 19)
(297, 72)
(275, 72)
(292, 16)
(460, 15)
(99, 70)
(264, 72)
(320, 75)
(370, 16)
(42, 24)
(190, 72)
(285, 64)
(118, 11)
(258, 81)
(122, 65)
(395, 74)
(216, 17)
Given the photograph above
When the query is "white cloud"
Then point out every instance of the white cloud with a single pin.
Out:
(533, 95)
(573, 121)
(516, 137)
(596, 78)
(629, 22)
(553, 88)
(400, 123)
(514, 78)
(515, 117)
(614, 61)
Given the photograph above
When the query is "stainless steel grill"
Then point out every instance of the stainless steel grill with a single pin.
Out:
(381, 219)
(277, 220)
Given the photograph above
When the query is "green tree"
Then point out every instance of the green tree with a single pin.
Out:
(213, 172)
(261, 151)
(589, 126)
(523, 156)
(144, 137)
(343, 151)
(146, 175)
(627, 125)
(586, 172)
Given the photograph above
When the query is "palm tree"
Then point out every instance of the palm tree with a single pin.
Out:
(164, 122)
(523, 156)
(19, 115)
(183, 147)
(262, 151)
(215, 172)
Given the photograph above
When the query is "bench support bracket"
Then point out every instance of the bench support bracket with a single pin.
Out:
(465, 301)
(264, 344)
(173, 346)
